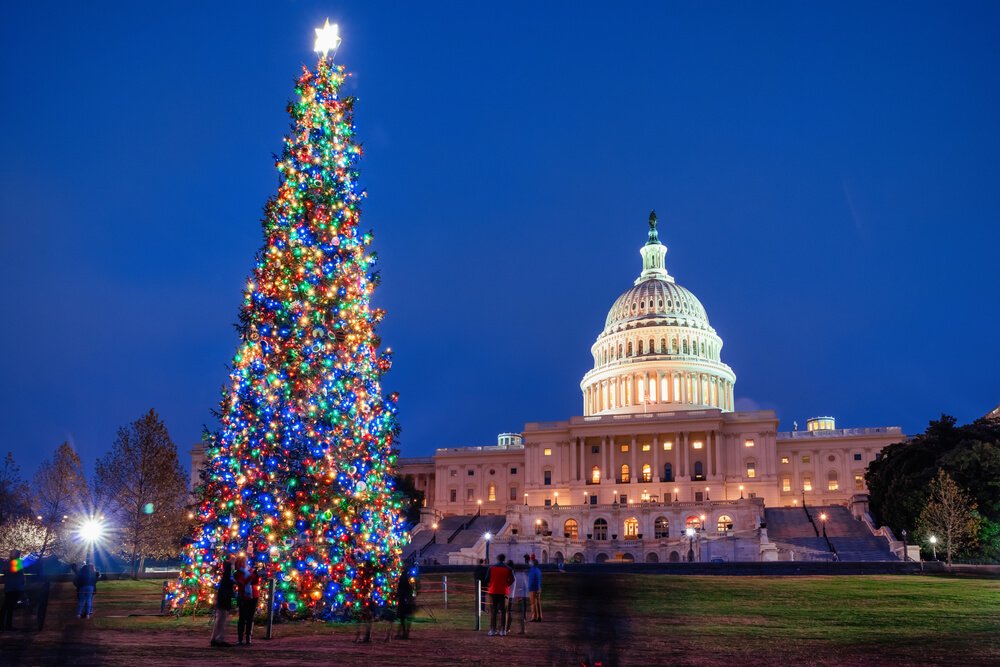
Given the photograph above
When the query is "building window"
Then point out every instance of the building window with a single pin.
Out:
(595, 475)
(699, 471)
(699, 496)
(668, 472)
(547, 452)
(807, 484)
(859, 483)
(541, 526)
(646, 448)
(600, 529)
(454, 495)
(693, 522)
(623, 499)
(453, 472)
(624, 448)
(548, 478)
(857, 457)
(470, 472)
(647, 472)
(786, 483)
(593, 500)
(548, 502)
(661, 527)
(468, 493)
(697, 444)
(513, 493)
(631, 528)
(748, 443)
(667, 446)
(491, 493)
(595, 449)
(571, 530)
(724, 524)
(624, 478)
(805, 459)
(784, 459)
(513, 471)
(492, 471)
(751, 469)
(832, 483)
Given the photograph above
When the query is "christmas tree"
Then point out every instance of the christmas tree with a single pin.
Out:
(299, 476)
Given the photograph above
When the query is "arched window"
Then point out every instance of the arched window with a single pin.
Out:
(647, 472)
(571, 530)
(624, 478)
(631, 528)
(619, 350)
(673, 346)
(832, 483)
(541, 526)
(684, 346)
(692, 522)
(703, 348)
(651, 348)
(639, 350)
(595, 475)
(661, 527)
(491, 492)
(628, 349)
(724, 524)
(600, 529)
(699, 471)
(663, 346)
(668, 472)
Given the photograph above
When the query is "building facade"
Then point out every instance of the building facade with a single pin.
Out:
(659, 447)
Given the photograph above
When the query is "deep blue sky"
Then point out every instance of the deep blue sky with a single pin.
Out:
(827, 180)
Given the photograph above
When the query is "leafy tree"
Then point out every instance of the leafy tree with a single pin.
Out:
(14, 493)
(60, 494)
(412, 499)
(143, 491)
(899, 482)
(950, 514)
(23, 533)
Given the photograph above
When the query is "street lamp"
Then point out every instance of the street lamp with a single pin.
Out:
(741, 492)
(706, 493)
(434, 526)
(91, 532)
(557, 499)
(488, 537)
(703, 523)
(614, 497)
(691, 535)
(933, 540)
(822, 517)
(526, 500)
(676, 491)
(906, 555)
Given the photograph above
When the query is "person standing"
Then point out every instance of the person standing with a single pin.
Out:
(223, 603)
(247, 597)
(518, 598)
(86, 585)
(407, 604)
(500, 579)
(535, 591)
(14, 582)
(481, 576)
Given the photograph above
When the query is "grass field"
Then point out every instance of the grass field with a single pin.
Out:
(624, 619)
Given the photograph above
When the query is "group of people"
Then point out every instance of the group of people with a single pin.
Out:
(509, 587)
(240, 579)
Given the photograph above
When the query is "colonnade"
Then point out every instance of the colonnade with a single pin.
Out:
(658, 387)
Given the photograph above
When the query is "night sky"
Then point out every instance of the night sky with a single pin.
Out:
(827, 182)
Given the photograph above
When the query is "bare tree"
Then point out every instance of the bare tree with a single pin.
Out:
(950, 515)
(143, 490)
(14, 494)
(23, 533)
(60, 494)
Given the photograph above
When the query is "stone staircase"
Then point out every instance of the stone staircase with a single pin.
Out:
(791, 527)
(852, 539)
(465, 532)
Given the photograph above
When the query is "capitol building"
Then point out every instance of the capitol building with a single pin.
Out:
(659, 466)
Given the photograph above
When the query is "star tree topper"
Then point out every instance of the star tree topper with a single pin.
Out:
(327, 38)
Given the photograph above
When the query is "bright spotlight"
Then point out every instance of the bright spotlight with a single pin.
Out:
(92, 530)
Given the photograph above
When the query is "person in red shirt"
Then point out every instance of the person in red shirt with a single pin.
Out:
(500, 579)
(247, 595)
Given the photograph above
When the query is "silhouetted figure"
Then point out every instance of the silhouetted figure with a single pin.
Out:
(601, 628)
(223, 604)
(481, 575)
(14, 583)
(247, 598)
(500, 579)
(86, 585)
(406, 600)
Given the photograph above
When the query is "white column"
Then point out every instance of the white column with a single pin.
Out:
(683, 437)
(604, 457)
(656, 457)
(633, 470)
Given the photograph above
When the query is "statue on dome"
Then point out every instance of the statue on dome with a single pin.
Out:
(653, 236)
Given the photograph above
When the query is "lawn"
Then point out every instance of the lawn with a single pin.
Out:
(634, 618)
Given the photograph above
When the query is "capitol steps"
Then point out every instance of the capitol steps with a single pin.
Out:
(465, 537)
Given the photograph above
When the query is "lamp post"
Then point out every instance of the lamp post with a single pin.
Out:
(488, 537)
(91, 532)
(822, 518)
(556, 504)
(906, 555)
(614, 497)
(691, 535)
(434, 526)
(526, 500)
(741, 492)
(706, 494)
(676, 492)
(933, 540)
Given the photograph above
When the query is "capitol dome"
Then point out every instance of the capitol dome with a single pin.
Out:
(657, 351)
